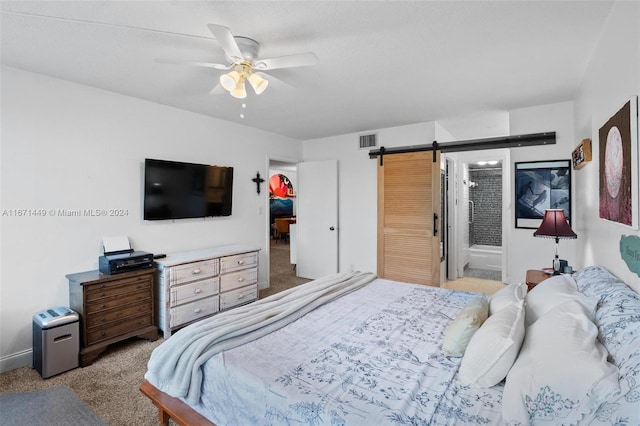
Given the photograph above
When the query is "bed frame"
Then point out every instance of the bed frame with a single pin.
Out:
(173, 408)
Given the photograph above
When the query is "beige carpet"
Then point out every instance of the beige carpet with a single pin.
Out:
(282, 275)
(109, 386)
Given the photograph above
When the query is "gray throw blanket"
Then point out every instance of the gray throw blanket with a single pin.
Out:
(175, 367)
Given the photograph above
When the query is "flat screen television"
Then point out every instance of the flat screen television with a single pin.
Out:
(175, 190)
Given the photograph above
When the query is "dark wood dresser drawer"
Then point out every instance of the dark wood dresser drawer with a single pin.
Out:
(104, 316)
(117, 302)
(95, 292)
(96, 335)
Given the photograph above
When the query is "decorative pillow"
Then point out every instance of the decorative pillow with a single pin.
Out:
(506, 296)
(466, 323)
(562, 372)
(552, 292)
(493, 348)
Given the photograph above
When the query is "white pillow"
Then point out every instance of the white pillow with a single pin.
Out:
(493, 348)
(562, 371)
(506, 296)
(466, 323)
(552, 292)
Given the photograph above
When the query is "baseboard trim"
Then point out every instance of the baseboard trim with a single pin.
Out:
(17, 360)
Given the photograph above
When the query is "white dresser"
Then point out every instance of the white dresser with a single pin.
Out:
(197, 284)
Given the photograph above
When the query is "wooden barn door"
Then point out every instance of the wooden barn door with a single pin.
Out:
(409, 218)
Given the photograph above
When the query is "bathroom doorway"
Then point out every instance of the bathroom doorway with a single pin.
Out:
(483, 185)
(482, 181)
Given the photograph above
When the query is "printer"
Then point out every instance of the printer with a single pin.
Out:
(120, 257)
(114, 263)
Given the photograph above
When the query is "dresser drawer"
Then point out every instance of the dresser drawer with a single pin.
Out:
(117, 302)
(238, 297)
(238, 279)
(200, 308)
(109, 331)
(96, 292)
(239, 261)
(188, 272)
(103, 317)
(185, 293)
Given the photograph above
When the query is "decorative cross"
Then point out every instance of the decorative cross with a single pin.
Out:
(258, 180)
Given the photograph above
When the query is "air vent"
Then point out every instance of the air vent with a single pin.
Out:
(368, 141)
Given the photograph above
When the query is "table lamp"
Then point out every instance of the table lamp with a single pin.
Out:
(554, 225)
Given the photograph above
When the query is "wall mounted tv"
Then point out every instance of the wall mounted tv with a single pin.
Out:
(175, 190)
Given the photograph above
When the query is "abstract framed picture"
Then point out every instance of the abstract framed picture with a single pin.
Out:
(618, 148)
(541, 185)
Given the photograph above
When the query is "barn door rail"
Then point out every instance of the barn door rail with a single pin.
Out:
(517, 141)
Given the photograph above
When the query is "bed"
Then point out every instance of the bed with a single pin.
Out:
(353, 349)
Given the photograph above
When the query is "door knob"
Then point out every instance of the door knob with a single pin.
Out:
(331, 228)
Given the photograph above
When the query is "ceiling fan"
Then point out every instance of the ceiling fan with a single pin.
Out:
(245, 64)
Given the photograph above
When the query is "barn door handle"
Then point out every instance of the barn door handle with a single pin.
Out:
(435, 224)
(331, 228)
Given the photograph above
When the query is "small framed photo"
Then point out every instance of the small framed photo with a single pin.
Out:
(582, 154)
(541, 185)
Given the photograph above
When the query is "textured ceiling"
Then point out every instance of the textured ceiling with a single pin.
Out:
(381, 64)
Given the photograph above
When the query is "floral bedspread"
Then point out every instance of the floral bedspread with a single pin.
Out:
(372, 357)
(618, 320)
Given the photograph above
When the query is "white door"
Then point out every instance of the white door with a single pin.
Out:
(317, 219)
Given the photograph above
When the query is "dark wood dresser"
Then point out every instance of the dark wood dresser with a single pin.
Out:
(112, 308)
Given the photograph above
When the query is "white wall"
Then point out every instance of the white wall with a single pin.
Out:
(67, 146)
(358, 186)
(612, 77)
(525, 250)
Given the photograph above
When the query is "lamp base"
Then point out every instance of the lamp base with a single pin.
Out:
(559, 266)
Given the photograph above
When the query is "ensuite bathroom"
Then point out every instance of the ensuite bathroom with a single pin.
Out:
(482, 205)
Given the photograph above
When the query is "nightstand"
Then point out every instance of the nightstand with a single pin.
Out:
(535, 277)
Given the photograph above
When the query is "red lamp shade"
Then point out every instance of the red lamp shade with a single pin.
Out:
(554, 225)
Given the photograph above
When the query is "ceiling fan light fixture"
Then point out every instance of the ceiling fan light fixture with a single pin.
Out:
(239, 91)
(230, 80)
(258, 83)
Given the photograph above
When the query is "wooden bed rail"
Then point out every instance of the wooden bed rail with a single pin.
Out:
(173, 408)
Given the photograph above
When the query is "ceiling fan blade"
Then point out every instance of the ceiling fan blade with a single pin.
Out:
(198, 64)
(227, 42)
(274, 82)
(218, 90)
(297, 60)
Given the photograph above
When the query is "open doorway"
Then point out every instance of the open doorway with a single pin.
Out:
(483, 193)
(479, 213)
(281, 216)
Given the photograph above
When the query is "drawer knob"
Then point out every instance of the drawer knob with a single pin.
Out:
(197, 291)
(103, 306)
(240, 279)
(240, 262)
(197, 311)
(196, 271)
(241, 296)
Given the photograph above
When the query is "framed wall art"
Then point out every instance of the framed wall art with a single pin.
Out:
(581, 155)
(618, 147)
(541, 185)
